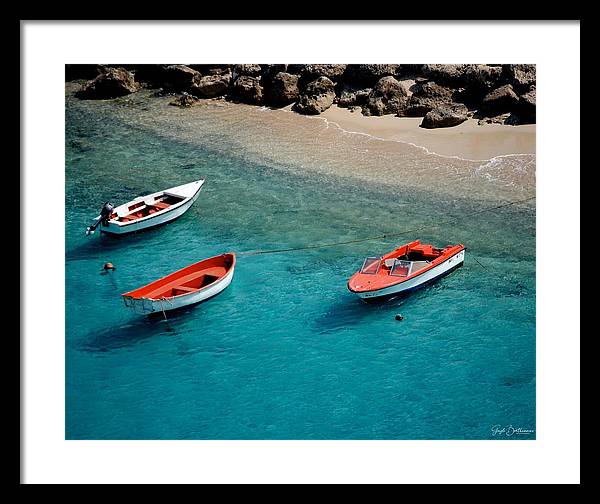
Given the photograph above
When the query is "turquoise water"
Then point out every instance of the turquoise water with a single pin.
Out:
(286, 352)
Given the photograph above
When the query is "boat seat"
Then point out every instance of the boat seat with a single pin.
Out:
(185, 290)
(160, 205)
(389, 262)
(217, 271)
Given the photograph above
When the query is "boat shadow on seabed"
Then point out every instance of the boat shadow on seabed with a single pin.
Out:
(350, 311)
(132, 332)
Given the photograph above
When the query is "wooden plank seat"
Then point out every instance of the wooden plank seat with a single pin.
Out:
(179, 283)
(185, 289)
(160, 205)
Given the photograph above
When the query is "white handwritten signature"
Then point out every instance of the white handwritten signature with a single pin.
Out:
(509, 430)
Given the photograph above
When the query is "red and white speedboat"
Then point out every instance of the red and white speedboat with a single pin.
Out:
(190, 285)
(146, 211)
(404, 269)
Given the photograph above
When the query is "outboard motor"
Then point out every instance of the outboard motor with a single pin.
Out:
(105, 213)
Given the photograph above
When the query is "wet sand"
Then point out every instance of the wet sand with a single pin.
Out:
(467, 140)
(489, 162)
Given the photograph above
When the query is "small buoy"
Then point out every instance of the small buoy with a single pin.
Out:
(399, 317)
(109, 266)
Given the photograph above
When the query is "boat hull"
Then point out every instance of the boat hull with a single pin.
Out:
(114, 228)
(418, 281)
(148, 306)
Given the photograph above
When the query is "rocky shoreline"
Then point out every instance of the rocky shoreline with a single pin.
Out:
(443, 95)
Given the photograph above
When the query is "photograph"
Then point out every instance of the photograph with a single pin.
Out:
(284, 251)
(300, 252)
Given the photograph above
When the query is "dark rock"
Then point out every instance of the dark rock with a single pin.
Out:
(483, 76)
(499, 119)
(317, 97)
(387, 97)
(268, 72)
(179, 78)
(500, 100)
(410, 70)
(293, 68)
(185, 100)
(448, 75)
(478, 81)
(427, 95)
(353, 97)
(521, 77)
(247, 89)
(150, 74)
(249, 70)
(211, 86)
(311, 72)
(526, 107)
(83, 72)
(282, 90)
(114, 82)
(367, 75)
(212, 69)
(445, 116)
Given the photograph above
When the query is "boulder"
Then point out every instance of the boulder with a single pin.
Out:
(521, 77)
(247, 89)
(427, 95)
(179, 78)
(184, 100)
(353, 97)
(367, 75)
(212, 69)
(499, 101)
(445, 116)
(311, 72)
(211, 86)
(479, 81)
(151, 74)
(282, 90)
(294, 68)
(448, 75)
(268, 72)
(317, 97)
(409, 70)
(526, 107)
(387, 97)
(249, 70)
(114, 82)
(499, 119)
(483, 76)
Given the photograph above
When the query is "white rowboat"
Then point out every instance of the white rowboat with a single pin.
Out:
(147, 211)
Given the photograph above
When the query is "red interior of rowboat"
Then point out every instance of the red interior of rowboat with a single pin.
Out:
(187, 280)
(161, 203)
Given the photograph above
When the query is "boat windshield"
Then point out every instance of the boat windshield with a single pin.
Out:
(371, 265)
(401, 268)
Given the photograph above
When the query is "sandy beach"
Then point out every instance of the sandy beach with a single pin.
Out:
(468, 140)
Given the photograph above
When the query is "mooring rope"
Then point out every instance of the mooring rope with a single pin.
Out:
(384, 235)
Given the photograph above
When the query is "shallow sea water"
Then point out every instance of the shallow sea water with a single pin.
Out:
(287, 352)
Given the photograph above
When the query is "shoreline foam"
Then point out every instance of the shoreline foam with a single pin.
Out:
(468, 140)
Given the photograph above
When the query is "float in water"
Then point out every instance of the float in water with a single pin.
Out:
(407, 268)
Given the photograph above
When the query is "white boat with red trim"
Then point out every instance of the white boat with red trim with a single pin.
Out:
(407, 268)
(190, 285)
(146, 211)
